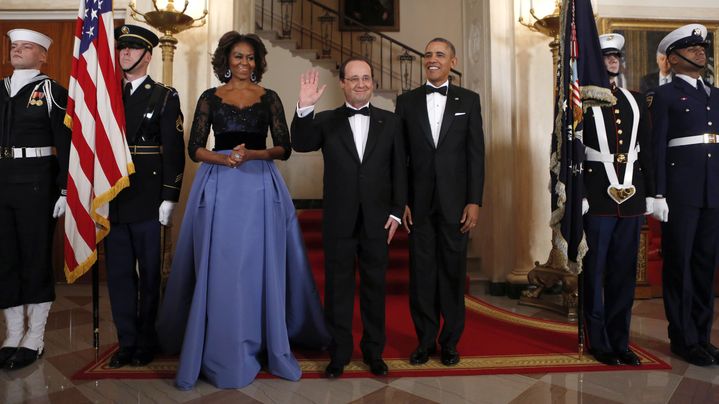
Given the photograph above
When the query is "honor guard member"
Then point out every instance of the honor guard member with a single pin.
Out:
(617, 179)
(155, 137)
(34, 150)
(685, 116)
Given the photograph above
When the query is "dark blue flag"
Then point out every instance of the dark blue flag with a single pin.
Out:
(582, 82)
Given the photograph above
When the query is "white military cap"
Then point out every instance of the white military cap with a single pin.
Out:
(611, 43)
(683, 37)
(30, 36)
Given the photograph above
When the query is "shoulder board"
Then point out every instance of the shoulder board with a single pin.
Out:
(170, 89)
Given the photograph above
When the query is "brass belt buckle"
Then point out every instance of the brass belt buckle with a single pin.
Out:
(710, 138)
(620, 157)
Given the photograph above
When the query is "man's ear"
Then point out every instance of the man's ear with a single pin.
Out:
(43, 56)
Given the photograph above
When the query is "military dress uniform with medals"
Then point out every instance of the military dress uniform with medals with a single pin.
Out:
(617, 179)
(34, 150)
(155, 137)
(685, 115)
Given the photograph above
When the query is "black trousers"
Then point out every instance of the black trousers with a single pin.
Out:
(341, 257)
(438, 272)
(610, 275)
(134, 294)
(690, 240)
(26, 233)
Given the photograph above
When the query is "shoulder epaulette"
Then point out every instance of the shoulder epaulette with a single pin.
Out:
(169, 88)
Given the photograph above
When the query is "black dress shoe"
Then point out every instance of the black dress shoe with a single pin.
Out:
(334, 370)
(377, 366)
(420, 355)
(695, 354)
(142, 357)
(710, 349)
(449, 356)
(606, 358)
(628, 357)
(5, 353)
(21, 358)
(121, 358)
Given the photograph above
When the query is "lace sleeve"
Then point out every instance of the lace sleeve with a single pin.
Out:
(200, 126)
(278, 124)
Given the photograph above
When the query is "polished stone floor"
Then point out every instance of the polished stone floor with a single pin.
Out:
(69, 346)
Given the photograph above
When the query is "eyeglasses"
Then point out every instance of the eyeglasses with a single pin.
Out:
(354, 80)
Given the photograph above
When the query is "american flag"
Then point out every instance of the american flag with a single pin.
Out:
(100, 161)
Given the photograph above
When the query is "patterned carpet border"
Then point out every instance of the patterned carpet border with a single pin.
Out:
(165, 367)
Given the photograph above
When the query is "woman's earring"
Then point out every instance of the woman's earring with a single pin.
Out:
(228, 74)
(253, 76)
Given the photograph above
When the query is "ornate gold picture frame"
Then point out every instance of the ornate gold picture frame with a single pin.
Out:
(642, 38)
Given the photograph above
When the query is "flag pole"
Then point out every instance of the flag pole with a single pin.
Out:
(580, 315)
(96, 310)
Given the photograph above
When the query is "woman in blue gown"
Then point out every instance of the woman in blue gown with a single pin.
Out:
(240, 290)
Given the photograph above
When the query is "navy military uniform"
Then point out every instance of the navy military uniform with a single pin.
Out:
(155, 137)
(34, 150)
(617, 179)
(685, 120)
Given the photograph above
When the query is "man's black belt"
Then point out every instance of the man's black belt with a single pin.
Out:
(145, 149)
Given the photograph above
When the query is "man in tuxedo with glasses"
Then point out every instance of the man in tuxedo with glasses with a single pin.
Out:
(365, 187)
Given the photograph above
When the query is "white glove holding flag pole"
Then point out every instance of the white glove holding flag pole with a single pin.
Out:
(661, 210)
(166, 209)
(60, 207)
(650, 206)
(585, 206)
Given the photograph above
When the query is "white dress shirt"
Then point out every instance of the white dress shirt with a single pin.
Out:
(435, 110)
(693, 82)
(360, 129)
(20, 78)
(135, 83)
(664, 79)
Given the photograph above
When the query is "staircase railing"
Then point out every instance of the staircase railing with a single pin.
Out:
(314, 25)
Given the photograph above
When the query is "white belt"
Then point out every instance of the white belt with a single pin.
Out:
(595, 155)
(26, 152)
(698, 139)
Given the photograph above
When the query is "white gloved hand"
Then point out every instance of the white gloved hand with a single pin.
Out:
(60, 207)
(661, 210)
(585, 206)
(166, 209)
(650, 206)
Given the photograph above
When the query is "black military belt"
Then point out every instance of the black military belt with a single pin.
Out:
(704, 138)
(26, 152)
(145, 149)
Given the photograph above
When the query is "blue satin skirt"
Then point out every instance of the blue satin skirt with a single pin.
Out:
(241, 290)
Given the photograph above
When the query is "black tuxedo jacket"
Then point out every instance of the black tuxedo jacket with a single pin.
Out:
(451, 175)
(157, 177)
(376, 186)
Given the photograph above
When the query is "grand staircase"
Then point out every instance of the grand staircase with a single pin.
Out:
(311, 30)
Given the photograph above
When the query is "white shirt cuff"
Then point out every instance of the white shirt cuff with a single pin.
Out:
(304, 111)
(398, 220)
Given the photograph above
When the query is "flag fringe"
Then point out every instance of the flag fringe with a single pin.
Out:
(102, 224)
(595, 96)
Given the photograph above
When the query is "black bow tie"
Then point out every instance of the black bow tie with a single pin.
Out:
(352, 112)
(431, 89)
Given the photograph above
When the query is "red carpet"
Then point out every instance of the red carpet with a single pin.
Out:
(494, 341)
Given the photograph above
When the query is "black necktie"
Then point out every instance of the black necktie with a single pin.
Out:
(352, 112)
(701, 88)
(431, 89)
(126, 92)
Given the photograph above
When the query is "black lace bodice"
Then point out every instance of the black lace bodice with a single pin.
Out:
(233, 126)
